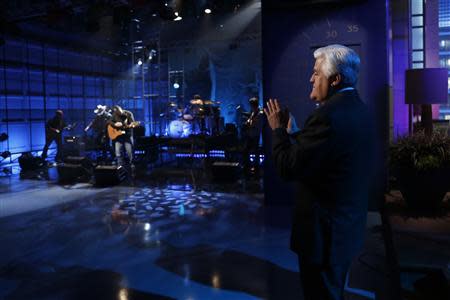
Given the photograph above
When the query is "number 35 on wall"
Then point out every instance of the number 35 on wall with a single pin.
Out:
(352, 28)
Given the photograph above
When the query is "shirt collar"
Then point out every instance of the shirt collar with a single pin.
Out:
(350, 88)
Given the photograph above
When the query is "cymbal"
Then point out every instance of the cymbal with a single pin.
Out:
(203, 102)
(197, 101)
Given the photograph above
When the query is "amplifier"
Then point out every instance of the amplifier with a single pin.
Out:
(28, 162)
(109, 175)
(226, 171)
(71, 172)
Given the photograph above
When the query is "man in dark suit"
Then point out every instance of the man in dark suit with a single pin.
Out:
(330, 158)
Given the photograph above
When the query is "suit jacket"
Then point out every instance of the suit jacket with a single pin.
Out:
(331, 160)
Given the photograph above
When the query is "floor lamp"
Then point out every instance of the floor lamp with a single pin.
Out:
(426, 86)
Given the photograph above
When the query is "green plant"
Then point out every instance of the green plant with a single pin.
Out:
(421, 152)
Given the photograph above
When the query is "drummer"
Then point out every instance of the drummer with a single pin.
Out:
(200, 109)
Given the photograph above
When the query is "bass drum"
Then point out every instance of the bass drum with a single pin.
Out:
(180, 129)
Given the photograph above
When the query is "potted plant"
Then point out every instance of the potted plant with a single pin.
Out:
(421, 164)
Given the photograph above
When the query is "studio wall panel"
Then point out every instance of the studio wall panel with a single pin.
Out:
(37, 136)
(14, 51)
(19, 137)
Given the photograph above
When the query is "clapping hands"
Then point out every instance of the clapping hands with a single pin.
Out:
(277, 117)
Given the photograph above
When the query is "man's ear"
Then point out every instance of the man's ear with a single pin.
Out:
(336, 80)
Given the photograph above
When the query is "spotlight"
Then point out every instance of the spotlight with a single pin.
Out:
(3, 137)
(151, 54)
(207, 11)
(178, 17)
(176, 85)
(139, 62)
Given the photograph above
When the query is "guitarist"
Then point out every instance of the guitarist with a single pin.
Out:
(121, 120)
(98, 126)
(53, 132)
(251, 135)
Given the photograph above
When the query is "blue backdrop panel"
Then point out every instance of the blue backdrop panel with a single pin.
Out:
(77, 103)
(18, 108)
(51, 56)
(36, 84)
(14, 80)
(51, 83)
(19, 137)
(35, 54)
(37, 136)
(13, 50)
(52, 103)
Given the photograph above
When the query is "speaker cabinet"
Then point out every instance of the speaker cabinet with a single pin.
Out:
(68, 173)
(28, 162)
(75, 168)
(226, 171)
(109, 175)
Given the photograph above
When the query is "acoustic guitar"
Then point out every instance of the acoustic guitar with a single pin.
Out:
(114, 133)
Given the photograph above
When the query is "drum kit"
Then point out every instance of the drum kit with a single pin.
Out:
(199, 117)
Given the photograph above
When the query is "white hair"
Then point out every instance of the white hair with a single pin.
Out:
(338, 59)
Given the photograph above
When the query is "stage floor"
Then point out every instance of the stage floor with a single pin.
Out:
(159, 237)
(81, 242)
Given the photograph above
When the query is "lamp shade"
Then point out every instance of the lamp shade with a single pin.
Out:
(426, 86)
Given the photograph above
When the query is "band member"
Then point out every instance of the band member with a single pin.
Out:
(252, 133)
(202, 111)
(53, 132)
(122, 120)
(98, 125)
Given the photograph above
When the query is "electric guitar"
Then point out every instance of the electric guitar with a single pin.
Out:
(50, 130)
(114, 133)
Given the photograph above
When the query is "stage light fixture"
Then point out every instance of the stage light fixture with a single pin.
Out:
(139, 62)
(3, 137)
(151, 54)
(177, 17)
(208, 11)
(176, 85)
